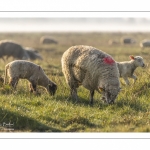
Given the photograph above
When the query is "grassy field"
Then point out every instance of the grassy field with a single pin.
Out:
(44, 113)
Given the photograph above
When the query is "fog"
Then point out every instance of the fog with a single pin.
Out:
(74, 24)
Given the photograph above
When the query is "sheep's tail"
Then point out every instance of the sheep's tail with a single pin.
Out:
(5, 78)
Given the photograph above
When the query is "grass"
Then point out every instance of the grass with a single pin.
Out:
(44, 113)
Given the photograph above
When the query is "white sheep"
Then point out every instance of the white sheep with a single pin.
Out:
(127, 68)
(21, 69)
(145, 43)
(92, 68)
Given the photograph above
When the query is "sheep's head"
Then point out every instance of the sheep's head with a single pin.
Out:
(138, 61)
(109, 96)
(52, 87)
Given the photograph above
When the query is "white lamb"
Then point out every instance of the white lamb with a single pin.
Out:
(127, 68)
(21, 69)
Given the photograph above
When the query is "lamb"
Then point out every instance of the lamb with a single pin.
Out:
(32, 53)
(22, 69)
(10, 48)
(92, 68)
(127, 68)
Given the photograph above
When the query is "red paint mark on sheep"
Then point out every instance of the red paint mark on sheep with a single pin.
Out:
(108, 60)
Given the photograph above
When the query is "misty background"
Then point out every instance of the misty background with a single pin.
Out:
(74, 24)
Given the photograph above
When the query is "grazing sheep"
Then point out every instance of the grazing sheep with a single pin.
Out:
(12, 49)
(33, 54)
(21, 69)
(145, 43)
(47, 40)
(128, 41)
(127, 68)
(92, 68)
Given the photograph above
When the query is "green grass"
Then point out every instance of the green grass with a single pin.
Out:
(44, 113)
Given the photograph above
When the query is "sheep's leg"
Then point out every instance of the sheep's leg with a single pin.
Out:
(74, 94)
(13, 82)
(73, 86)
(73, 91)
(33, 86)
(134, 77)
(126, 80)
(71, 81)
(91, 97)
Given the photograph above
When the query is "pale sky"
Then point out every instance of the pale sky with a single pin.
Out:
(74, 25)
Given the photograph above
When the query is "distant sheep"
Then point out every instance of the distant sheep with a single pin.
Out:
(113, 42)
(12, 49)
(145, 43)
(92, 68)
(128, 40)
(21, 69)
(127, 68)
(32, 54)
(47, 40)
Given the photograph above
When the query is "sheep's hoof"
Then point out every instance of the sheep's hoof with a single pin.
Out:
(91, 104)
(31, 91)
(36, 93)
(14, 92)
(76, 100)
(68, 98)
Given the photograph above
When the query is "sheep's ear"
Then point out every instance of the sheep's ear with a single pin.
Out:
(50, 84)
(101, 89)
(131, 57)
